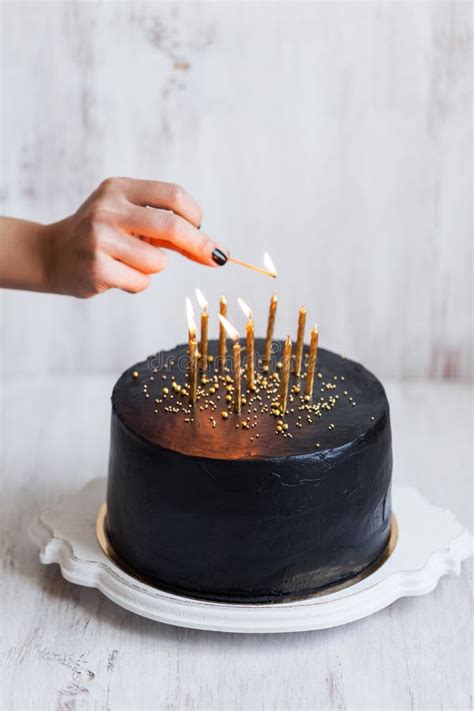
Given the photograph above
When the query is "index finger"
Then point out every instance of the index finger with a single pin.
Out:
(175, 233)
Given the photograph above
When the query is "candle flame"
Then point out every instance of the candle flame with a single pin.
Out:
(245, 308)
(201, 299)
(268, 263)
(231, 331)
(315, 328)
(190, 316)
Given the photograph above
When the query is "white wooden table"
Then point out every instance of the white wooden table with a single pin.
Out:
(69, 648)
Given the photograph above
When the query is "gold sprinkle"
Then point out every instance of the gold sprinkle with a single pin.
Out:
(165, 391)
(224, 414)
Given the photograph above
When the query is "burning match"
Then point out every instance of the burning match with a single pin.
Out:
(268, 269)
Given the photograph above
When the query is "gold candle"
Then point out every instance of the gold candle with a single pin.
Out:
(204, 327)
(237, 387)
(250, 354)
(313, 356)
(250, 330)
(285, 375)
(191, 323)
(270, 327)
(234, 334)
(299, 342)
(222, 334)
(193, 370)
(192, 352)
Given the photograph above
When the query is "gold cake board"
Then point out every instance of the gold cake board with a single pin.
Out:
(107, 548)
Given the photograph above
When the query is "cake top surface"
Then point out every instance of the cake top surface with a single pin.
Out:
(151, 399)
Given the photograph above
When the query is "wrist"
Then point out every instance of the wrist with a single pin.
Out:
(51, 238)
(49, 257)
(25, 255)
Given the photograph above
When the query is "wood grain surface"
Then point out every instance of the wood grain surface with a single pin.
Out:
(68, 648)
(336, 136)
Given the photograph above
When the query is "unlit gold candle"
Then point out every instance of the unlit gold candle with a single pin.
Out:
(285, 375)
(312, 360)
(237, 387)
(300, 342)
(250, 354)
(270, 326)
(204, 330)
(222, 334)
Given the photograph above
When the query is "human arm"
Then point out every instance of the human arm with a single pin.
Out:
(115, 239)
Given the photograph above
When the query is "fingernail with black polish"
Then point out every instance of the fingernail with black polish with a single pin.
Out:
(219, 257)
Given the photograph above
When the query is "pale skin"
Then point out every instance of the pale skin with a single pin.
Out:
(116, 239)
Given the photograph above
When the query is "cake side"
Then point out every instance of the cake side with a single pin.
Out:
(262, 525)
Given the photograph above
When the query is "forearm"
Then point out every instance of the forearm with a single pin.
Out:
(25, 255)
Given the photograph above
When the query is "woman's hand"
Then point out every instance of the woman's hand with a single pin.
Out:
(115, 239)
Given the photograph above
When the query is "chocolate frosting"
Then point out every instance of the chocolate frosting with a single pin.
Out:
(203, 510)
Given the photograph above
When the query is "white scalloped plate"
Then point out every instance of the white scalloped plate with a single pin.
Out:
(431, 543)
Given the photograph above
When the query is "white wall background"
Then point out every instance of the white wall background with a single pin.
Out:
(335, 135)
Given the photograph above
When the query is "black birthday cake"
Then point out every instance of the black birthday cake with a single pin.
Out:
(252, 506)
